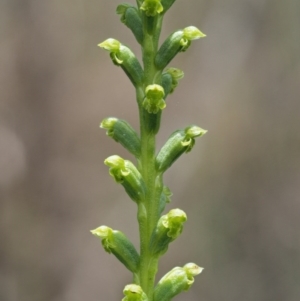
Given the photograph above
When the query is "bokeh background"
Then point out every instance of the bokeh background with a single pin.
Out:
(240, 186)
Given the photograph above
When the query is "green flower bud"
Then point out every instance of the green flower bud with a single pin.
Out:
(166, 82)
(175, 75)
(178, 41)
(168, 228)
(174, 282)
(154, 99)
(124, 57)
(131, 18)
(134, 292)
(181, 141)
(122, 132)
(124, 172)
(153, 104)
(117, 243)
(164, 198)
(151, 7)
(167, 4)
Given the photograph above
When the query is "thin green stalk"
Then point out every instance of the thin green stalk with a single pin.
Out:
(148, 265)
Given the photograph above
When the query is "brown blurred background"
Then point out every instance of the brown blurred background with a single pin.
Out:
(240, 186)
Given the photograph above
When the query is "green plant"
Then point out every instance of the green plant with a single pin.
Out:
(144, 182)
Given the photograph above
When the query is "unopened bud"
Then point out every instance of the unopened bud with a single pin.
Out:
(131, 18)
(178, 41)
(124, 172)
(117, 243)
(124, 57)
(170, 78)
(179, 142)
(174, 282)
(121, 131)
(168, 228)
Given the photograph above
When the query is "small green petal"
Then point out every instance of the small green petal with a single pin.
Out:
(114, 161)
(195, 131)
(175, 73)
(102, 231)
(155, 91)
(193, 33)
(152, 7)
(192, 269)
(108, 123)
(116, 60)
(111, 45)
(134, 292)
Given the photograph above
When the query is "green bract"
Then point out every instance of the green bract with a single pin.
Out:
(143, 181)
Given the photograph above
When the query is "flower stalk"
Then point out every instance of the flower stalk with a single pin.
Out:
(143, 182)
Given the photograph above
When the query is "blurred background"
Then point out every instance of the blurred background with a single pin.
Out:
(240, 186)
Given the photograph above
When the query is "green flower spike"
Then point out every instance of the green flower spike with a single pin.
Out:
(169, 227)
(178, 41)
(134, 292)
(177, 280)
(121, 131)
(154, 99)
(170, 78)
(179, 142)
(124, 172)
(152, 7)
(124, 57)
(117, 243)
(131, 18)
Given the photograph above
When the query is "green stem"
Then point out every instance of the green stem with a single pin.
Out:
(148, 213)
